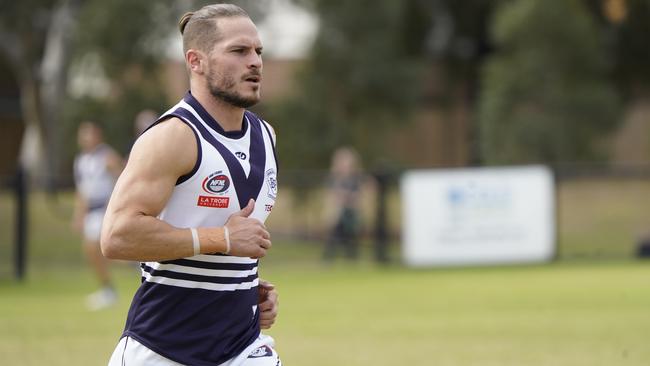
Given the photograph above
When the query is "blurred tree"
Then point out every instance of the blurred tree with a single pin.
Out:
(545, 96)
(458, 42)
(382, 58)
(114, 49)
(615, 10)
(457, 36)
(629, 40)
(625, 30)
(358, 82)
(120, 51)
(131, 58)
(35, 39)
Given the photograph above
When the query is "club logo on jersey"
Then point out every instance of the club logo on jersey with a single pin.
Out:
(264, 351)
(272, 182)
(242, 155)
(216, 183)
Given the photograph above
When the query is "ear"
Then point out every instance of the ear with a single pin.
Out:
(195, 61)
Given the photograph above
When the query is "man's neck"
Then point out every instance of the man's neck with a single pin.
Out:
(92, 148)
(228, 116)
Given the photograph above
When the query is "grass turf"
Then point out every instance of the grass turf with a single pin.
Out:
(561, 314)
(568, 313)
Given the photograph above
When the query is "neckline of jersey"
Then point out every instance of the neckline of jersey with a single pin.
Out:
(213, 123)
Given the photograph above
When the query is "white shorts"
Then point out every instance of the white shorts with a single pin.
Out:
(93, 225)
(130, 352)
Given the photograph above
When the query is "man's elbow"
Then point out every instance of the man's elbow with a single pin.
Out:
(112, 243)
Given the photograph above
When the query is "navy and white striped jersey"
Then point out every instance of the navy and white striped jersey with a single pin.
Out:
(202, 310)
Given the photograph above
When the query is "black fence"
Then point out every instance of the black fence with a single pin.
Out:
(601, 214)
(16, 247)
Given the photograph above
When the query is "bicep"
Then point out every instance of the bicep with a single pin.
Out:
(137, 191)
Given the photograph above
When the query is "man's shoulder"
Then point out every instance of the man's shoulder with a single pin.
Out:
(166, 147)
(170, 125)
(165, 133)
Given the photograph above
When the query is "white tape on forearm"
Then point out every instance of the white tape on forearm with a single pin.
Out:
(195, 241)
(226, 236)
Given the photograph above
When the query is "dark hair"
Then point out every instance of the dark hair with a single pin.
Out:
(92, 123)
(199, 28)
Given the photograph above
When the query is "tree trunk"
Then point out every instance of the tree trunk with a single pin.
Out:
(32, 148)
(54, 75)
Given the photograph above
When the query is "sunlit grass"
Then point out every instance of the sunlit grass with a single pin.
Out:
(346, 314)
(567, 313)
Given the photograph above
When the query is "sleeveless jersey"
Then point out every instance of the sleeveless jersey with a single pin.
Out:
(93, 179)
(202, 310)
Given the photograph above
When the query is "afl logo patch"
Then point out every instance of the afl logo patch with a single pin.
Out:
(272, 182)
(216, 183)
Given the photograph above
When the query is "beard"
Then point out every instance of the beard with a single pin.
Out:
(226, 93)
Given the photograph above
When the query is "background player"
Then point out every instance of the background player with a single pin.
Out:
(95, 170)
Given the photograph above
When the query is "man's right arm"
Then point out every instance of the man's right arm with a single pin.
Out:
(79, 212)
(131, 229)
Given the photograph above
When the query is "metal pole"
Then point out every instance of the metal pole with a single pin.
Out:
(381, 222)
(20, 194)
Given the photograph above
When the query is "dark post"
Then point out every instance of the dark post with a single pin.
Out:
(381, 223)
(20, 192)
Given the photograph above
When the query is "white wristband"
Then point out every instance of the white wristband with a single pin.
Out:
(226, 235)
(195, 241)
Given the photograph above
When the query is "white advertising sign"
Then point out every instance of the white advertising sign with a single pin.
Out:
(478, 216)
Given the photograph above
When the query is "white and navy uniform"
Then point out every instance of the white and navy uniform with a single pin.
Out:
(202, 310)
(94, 184)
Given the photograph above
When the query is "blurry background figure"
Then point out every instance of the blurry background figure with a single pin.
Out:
(342, 204)
(643, 246)
(96, 168)
(143, 120)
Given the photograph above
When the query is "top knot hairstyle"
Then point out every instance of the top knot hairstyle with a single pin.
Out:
(199, 28)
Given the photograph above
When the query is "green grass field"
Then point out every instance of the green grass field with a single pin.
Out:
(579, 314)
(584, 309)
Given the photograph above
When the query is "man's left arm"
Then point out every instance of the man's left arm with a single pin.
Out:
(267, 304)
(114, 163)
